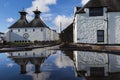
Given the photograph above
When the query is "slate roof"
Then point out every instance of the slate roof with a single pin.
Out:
(69, 27)
(20, 24)
(1, 33)
(37, 22)
(23, 23)
(112, 5)
(96, 3)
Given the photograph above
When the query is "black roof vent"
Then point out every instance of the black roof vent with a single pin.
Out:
(37, 13)
(23, 14)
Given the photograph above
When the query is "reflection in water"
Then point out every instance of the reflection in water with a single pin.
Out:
(93, 64)
(43, 64)
(35, 57)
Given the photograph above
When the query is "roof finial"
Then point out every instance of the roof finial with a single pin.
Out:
(23, 9)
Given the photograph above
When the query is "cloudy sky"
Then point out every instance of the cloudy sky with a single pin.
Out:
(53, 11)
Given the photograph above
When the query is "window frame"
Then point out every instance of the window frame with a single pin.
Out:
(33, 30)
(41, 29)
(25, 30)
(11, 30)
(18, 30)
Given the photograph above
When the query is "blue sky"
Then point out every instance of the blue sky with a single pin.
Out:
(53, 11)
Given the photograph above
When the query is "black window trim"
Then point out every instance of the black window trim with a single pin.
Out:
(102, 36)
(18, 30)
(25, 30)
(33, 30)
(93, 14)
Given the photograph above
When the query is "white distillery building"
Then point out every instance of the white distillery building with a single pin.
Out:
(94, 63)
(36, 30)
(97, 22)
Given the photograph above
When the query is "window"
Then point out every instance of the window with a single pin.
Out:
(33, 54)
(100, 35)
(25, 30)
(18, 30)
(97, 71)
(41, 29)
(18, 54)
(26, 54)
(33, 30)
(11, 30)
(95, 11)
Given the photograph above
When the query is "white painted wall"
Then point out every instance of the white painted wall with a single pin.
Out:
(55, 36)
(37, 35)
(86, 27)
(114, 27)
(7, 37)
(85, 60)
(40, 34)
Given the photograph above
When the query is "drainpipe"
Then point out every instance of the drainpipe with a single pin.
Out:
(108, 41)
(107, 28)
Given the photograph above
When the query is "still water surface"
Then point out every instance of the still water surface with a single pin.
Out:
(44, 64)
(38, 64)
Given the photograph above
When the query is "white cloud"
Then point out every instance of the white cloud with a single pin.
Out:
(10, 65)
(84, 2)
(47, 17)
(10, 20)
(29, 17)
(29, 67)
(64, 20)
(42, 5)
(63, 61)
(40, 76)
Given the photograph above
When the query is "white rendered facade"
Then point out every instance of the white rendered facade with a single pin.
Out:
(86, 27)
(35, 34)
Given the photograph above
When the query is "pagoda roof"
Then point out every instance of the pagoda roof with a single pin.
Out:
(23, 23)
